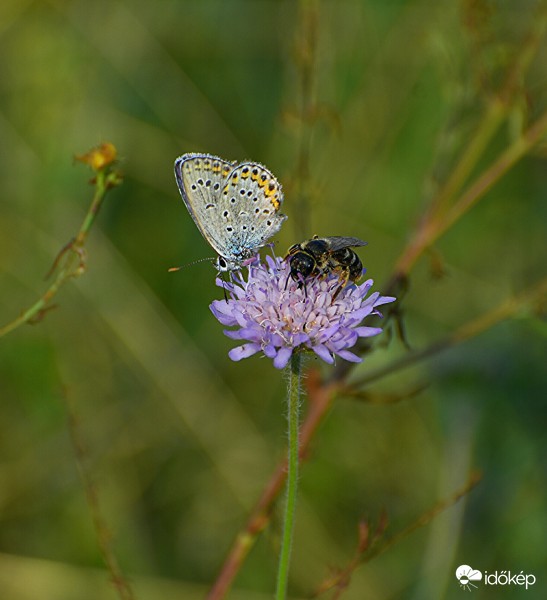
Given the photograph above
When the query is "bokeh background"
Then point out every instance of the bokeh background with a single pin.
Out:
(179, 441)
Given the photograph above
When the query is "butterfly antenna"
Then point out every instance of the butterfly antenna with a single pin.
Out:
(195, 262)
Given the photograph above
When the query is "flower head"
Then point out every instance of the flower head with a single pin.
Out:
(276, 317)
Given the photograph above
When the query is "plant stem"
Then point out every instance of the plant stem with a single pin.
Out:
(322, 396)
(527, 300)
(435, 227)
(306, 53)
(104, 180)
(292, 476)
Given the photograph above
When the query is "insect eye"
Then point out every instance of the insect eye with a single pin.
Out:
(223, 265)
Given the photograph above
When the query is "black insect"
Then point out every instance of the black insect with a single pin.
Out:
(321, 256)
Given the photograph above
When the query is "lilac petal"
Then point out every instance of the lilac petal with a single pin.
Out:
(231, 287)
(349, 356)
(384, 300)
(233, 334)
(251, 333)
(240, 318)
(260, 295)
(225, 316)
(325, 334)
(365, 287)
(282, 358)
(245, 333)
(243, 351)
(371, 300)
(227, 285)
(269, 351)
(323, 353)
(358, 315)
(350, 338)
(221, 307)
(272, 263)
(250, 262)
(300, 338)
(367, 331)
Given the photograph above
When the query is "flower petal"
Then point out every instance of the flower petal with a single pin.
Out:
(349, 356)
(324, 353)
(384, 300)
(300, 338)
(325, 334)
(269, 351)
(367, 331)
(282, 358)
(240, 318)
(358, 315)
(243, 351)
(245, 333)
(223, 312)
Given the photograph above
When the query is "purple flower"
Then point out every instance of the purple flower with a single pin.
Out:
(276, 317)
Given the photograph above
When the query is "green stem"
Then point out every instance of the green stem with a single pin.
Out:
(306, 44)
(75, 249)
(292, 476)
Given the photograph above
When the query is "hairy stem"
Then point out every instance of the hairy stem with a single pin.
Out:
(321, 397)
(292, 476)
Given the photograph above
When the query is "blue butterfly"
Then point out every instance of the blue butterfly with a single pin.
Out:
(234, 205)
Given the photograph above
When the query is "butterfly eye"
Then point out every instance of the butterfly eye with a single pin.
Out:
(222, 264)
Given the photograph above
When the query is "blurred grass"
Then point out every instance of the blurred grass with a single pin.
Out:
(180, 440)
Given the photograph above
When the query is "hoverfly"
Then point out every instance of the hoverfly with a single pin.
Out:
(321, 256)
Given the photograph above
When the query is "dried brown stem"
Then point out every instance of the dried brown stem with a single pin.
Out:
(435, 227)
(102, 531)
(532, 296)
(366, 552)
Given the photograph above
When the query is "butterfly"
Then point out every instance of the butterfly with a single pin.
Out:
(234, 205)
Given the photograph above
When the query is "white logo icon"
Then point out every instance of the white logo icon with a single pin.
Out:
(466, 575)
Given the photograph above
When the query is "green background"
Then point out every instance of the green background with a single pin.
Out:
(180, 440)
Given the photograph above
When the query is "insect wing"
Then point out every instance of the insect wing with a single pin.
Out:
(249, 208)
(200, 179)
(339, 242)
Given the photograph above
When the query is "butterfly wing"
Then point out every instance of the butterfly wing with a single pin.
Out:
(201, 179)
(249, 213)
